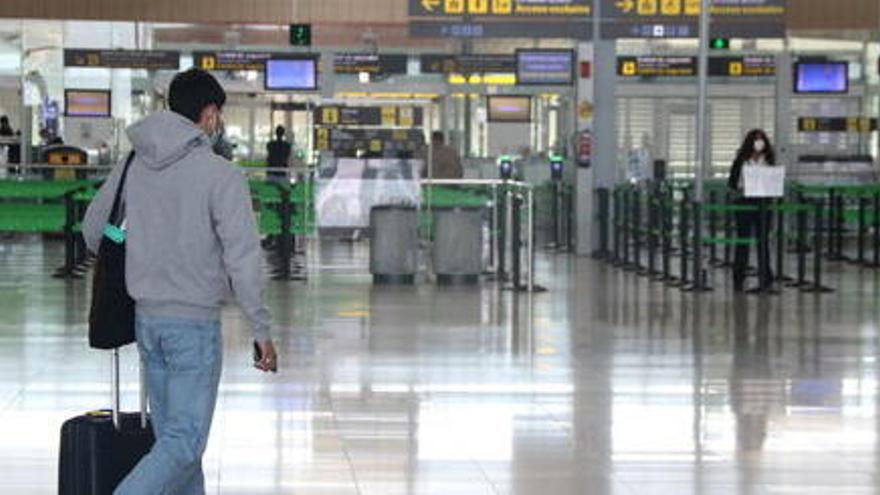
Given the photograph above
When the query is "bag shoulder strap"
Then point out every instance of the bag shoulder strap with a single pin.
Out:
(117, 200)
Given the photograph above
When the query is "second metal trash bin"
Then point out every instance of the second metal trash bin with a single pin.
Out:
(458, 244)
(394, 244)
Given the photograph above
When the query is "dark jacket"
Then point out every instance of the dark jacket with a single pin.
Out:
(279, 153)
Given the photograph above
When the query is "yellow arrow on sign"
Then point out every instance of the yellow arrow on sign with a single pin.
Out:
(626, 6)
(430, 5)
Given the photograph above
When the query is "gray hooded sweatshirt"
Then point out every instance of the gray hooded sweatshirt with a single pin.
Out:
(191, 232)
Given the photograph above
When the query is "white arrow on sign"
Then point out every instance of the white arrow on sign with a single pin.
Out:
(626, 6)
(430, 5)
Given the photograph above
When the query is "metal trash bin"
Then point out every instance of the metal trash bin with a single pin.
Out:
(458, 244)
(394, 244)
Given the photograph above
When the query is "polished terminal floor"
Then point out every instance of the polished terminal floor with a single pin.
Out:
(607, 384)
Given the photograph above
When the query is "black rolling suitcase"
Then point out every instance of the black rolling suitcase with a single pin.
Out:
(99, 449)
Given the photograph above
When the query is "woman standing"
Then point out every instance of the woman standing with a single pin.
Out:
(756, 150)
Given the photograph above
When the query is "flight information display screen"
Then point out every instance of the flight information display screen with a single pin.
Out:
(510, 109)
(551, 67)
(87, 103)
(821, 77)
(291, 74)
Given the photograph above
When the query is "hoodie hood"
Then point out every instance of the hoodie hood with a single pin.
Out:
(163, 138)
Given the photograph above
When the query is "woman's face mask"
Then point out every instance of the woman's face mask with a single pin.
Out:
(760, 146)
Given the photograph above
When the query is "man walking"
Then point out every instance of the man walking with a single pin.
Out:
(191, 239)
(445, 161)
(278, 154)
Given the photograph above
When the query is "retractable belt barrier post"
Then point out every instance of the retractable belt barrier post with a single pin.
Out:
(729, 233)
(801, 245)
(602, 198)
(68, 271)
(781, 243)
(700, 282)
(713, 229)
(653, 201)
(840, 226)
(637, 230)
(863, 230)
(569, 220)
(516, 243)
(666, 220)
(876, 263)
(555, 210)
(835, 226)
(501, 243)
(616, 221)
(625, 226)
(818, 248)
(683, 238)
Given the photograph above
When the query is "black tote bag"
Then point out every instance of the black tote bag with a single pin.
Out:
(111, 316)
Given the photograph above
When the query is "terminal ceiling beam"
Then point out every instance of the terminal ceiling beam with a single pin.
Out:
(802, 14)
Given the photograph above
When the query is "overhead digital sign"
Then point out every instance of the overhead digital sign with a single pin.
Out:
(122, 59)
(501, 8)
(372, 63)
(686, 66)
(656, 66)
(233, 60)
(544, 67)
(467, 64)
(387, 116)
(87, 103)
(862, 125)
(680, 18)
(344, 141)
(509, 109)
(821, 77)
(291, 74)
(743, 66)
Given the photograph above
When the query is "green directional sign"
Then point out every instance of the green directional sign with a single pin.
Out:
(301, 34)
(719, 44)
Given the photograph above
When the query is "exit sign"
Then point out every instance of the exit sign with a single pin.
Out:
(719, 43)
(301, 34)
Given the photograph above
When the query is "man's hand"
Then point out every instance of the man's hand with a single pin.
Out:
(268, 358)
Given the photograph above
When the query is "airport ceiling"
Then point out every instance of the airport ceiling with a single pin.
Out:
(355, 23)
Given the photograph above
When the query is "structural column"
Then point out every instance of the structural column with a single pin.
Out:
(598, 94)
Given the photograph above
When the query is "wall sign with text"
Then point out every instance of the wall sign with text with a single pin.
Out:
(122, 59)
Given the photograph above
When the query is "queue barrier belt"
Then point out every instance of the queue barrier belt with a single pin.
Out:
(28, 218)
(730, 241)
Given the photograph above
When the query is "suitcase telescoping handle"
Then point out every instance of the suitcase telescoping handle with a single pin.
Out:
(142, 396)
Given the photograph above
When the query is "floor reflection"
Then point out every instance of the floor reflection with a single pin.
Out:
(607, 384)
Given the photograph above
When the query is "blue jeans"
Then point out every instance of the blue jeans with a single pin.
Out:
(182, 359)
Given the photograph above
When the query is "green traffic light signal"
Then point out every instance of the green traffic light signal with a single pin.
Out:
(301, 34)
(719, 44)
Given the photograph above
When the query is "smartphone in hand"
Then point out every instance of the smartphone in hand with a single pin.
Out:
(271, 365)
(258, 352)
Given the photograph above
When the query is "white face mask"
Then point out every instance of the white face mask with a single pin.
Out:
(217, 133)
(760, 146)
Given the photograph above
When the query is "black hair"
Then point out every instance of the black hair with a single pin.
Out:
(279, 131)
(192, 91)
(437, 137)
(747, 149)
